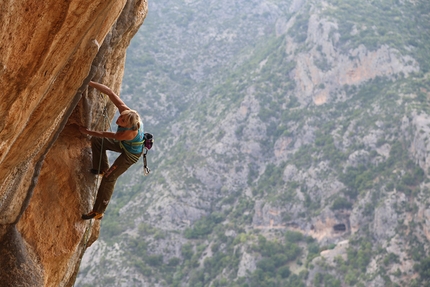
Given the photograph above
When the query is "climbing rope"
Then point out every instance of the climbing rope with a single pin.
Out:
(134, 157)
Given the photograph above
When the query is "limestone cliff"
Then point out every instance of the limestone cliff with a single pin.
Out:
(49, 50)
(286, 125)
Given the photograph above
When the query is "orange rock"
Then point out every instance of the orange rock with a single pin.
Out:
(49, 50)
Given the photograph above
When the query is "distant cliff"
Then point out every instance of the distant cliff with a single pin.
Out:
(49, 50)
(293, 148)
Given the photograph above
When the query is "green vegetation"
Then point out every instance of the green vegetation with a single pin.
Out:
(204, 226)
(272, 268)
(423, 269)
(326, 280)
(394, 23)
(346, 156)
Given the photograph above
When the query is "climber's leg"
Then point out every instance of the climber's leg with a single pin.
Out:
(99, 147)
(121, 164)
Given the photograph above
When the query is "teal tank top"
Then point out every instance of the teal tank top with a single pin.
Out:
(132, 145)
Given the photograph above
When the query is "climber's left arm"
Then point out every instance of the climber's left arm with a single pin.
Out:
(120, 136)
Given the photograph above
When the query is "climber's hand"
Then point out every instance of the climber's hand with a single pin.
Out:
(83, 130)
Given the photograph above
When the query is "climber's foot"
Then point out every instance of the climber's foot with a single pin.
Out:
(92, 215)
(96, 171)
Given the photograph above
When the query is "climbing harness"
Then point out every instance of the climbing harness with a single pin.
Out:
(135, 157)
(147, 142)
(132, 156)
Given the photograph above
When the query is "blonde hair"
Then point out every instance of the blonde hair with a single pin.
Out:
(132, 118)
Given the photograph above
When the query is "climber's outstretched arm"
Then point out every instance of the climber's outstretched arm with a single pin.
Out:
(116, 100)
(120, 136)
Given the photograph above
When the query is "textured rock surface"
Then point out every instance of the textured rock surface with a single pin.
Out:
(48, 52)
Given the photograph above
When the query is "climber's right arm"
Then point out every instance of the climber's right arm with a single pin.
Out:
(116, 100)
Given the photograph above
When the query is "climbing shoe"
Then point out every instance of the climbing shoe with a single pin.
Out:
(92, 215)
(96, 171)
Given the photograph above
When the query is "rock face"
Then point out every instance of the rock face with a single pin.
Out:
(48, 52)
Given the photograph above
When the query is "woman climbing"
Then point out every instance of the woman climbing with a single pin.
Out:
(128, 140)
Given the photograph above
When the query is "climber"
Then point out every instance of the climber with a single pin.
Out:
(128, 140)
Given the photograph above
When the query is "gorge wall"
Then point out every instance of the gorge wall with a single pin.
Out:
(48, 53)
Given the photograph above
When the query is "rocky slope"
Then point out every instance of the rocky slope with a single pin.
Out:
(48, 52)
(291, 148)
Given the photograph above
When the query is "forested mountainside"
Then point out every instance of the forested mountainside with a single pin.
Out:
(291, 147)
